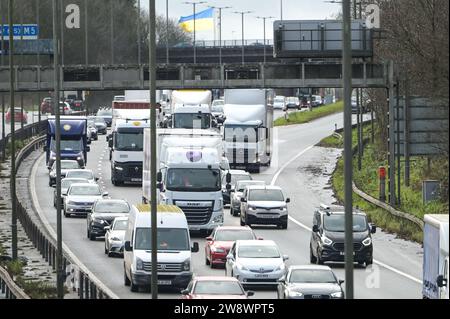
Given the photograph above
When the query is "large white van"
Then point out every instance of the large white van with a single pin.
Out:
(174, 248)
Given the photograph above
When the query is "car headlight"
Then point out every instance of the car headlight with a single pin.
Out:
(367, 242)
(139, 264)
(119, 168)
(187, 265)
(281, 267)
(218, 219)
(337, 294)
(52, 174)
(251, 208)
(327, 241)
(242, 267)
(79, 158)
(71, 203)
(293, 293)
(98, 221)
(283, 209)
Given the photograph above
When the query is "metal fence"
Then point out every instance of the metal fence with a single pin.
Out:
(22, 135)
(8, 287)
(84, 283)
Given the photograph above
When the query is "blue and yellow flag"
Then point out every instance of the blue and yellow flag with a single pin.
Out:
(203, 21)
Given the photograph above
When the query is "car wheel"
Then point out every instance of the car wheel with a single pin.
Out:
(231, 210)
(369, 261)
(127, 281)
(106, 249)
(235, 213)
(92, 237)
(319, 260)
(246, 222)
(284, 225)
(110, 255)
(242, 222)
(134, 288)
(50, 183)
(66, 215)
(312, 258)
(207, 262)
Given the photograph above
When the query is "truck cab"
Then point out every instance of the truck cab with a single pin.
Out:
(175, 267)
(192, 117)
(74, 141)
(127, 151)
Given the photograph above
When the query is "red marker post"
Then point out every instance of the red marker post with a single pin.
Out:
(382, 176)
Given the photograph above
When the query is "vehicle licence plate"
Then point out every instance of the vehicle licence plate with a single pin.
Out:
(164, 282)
(136, 179)
(262, 276)
(343, 253)
(268, 216)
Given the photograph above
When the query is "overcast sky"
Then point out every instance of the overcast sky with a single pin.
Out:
(292, 10)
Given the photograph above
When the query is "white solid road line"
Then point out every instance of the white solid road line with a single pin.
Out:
(379, 263)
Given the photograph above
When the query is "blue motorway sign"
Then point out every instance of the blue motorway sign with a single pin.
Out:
(21, 32)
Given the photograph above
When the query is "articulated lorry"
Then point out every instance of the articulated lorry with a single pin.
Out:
(74, 141)
(435, 257)
(190, 164)
(248, 128)
(191, 109)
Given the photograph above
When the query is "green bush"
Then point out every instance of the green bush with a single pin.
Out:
(308, 116)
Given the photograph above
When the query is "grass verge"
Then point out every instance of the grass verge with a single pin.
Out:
(411, 197)
(308, 116)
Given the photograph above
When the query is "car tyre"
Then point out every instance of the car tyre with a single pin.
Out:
(369, 261)
(106, 250)
(91, 236)
(319, 260)
(133, 287)
(242, 222)
(127, 281)
(312, 258)
(50, 183)
(207, 262)
(284, 225)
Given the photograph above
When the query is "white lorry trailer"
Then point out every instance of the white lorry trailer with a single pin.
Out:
(248, 128)
(435, 257)
(190, 165)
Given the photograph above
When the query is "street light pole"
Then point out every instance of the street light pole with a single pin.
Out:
(242, 13)
(281, 9)
(167, 31)
(220, 30)
(348, 161)
(194, 4)
(56, 79)
(13, 134)
(153, 168)
(264, 28)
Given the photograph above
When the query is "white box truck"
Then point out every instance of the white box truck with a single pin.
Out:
(190, 165)
(248, 128)
(174, 245)
(435, 257)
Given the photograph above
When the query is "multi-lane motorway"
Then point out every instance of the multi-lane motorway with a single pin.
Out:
(32, 118)
(395, 274)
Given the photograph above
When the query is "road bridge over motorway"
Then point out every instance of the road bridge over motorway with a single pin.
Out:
(200, 76)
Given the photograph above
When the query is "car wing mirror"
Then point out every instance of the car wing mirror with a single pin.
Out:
(128, 246)
(88, 148)
(230, 257)
(288, 200)
(243, 200)
(195, 248)
(315, 229)
(107, 228)
(341, 282)
(441, 281)
(373, 229)
(105, 194)
(285, 257)
(185, 292)
(209, 239)
(250, 293)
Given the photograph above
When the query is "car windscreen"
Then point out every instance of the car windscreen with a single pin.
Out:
(121, 225)
(236, 178)
(100, 120)
(68, 145)
(169, 239)
(80, 174)
(183, 180)
(192, 121)
(241, 185)
(311, 276)
(218, 288)
(217, 108)
(104, 113)
(265, 195)
(258, 251)
(132, 140)
(111, 207)
(69, 165)
(85, 190)
(336, 223)
(233, 235)
(66, 183)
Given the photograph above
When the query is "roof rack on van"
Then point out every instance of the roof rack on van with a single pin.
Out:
(146, 208)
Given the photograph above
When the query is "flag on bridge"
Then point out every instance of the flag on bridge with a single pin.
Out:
(204, 20)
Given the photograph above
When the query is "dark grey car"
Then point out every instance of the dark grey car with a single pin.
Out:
(310, 282)
(103, 214)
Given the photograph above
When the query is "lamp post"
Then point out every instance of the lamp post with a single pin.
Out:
(167, 31)
(243, 13)
(194, 5)
(220, 30)
(264, 28)
(281, 9)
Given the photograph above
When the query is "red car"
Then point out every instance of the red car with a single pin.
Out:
(218, 245)
(19, 116)
(215, 288)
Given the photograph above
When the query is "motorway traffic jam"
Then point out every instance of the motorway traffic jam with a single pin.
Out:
(209, 155)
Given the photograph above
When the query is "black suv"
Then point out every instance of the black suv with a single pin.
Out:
(327, 239)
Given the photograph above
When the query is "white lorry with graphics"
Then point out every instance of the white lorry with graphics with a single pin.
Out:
(435, 257)
(190, 169)
(174, 246)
